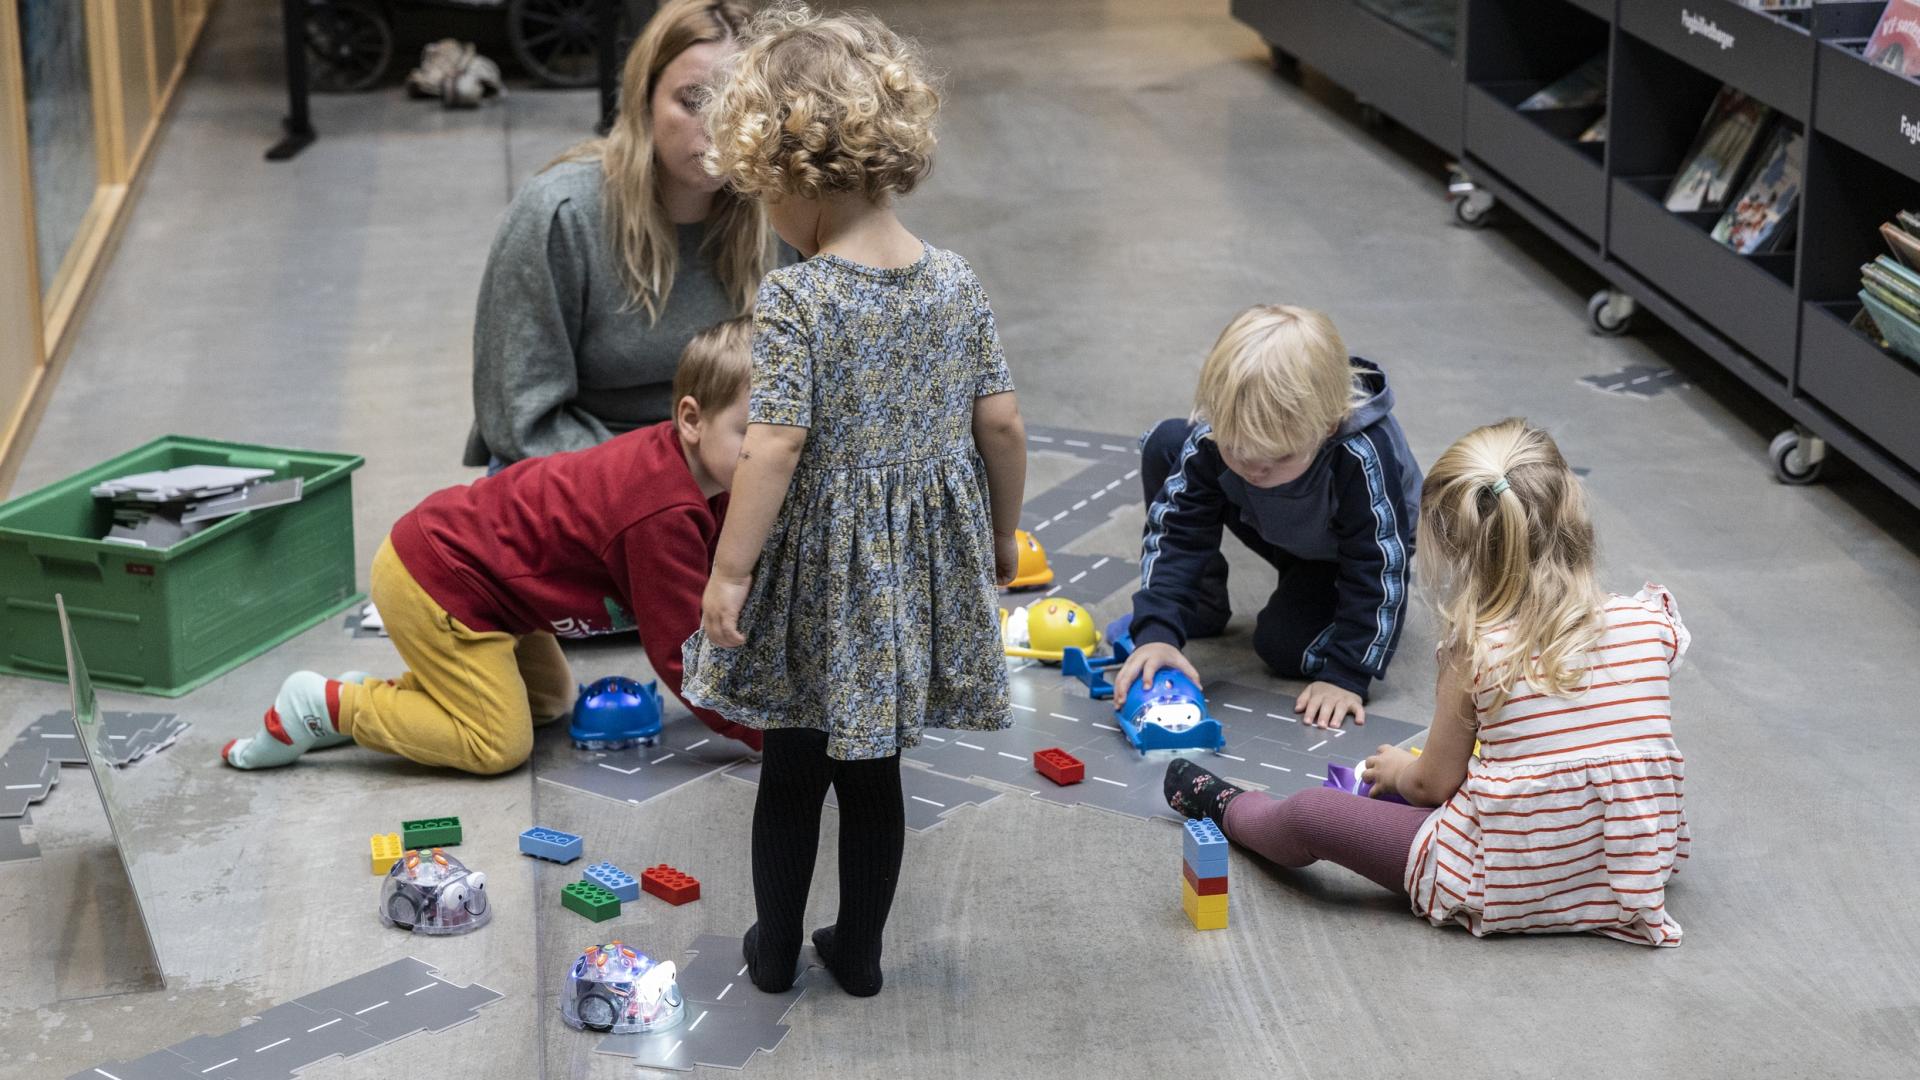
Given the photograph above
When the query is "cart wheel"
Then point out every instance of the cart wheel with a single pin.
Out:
(597, 1012)
(1473, 209)
(401, 911)
(1285, 64)
(555, 40)
(1610, 312)
(349, 44)
(1798, 456)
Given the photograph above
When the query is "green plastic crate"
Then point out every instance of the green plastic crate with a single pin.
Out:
(166, 621)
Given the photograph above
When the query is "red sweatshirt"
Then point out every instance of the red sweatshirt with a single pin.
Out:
(589, 542)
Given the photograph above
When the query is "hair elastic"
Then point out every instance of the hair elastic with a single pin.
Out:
(1499, 485)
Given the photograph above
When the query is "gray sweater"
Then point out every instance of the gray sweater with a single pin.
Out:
(560, 359)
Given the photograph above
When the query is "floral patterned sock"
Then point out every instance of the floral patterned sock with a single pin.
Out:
(1196, 792)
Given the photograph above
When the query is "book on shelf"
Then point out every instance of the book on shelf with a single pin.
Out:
(1898, 293)
(1581, 88)
(1908, 221)
(1904, 245)
(1895, 44)
(1719, 153)
(1596, 132)
(1762, 219)
(1862, 323)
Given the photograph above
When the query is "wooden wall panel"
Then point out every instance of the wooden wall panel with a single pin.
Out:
(166, 40)
(21, 355)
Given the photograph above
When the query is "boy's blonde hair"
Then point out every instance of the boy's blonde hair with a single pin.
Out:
(716, 365)
(1505, 543)
(818, 104)
(1277, 382)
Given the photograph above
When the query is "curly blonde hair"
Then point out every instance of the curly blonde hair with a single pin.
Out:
(817, 104)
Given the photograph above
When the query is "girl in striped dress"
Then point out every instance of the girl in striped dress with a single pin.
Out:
(1572, 818)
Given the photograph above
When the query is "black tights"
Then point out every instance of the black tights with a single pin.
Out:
(795, 773)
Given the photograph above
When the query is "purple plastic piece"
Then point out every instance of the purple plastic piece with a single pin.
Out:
(1346, 778)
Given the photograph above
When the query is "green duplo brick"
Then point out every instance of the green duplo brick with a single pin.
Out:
(593, 901)
(430, 833)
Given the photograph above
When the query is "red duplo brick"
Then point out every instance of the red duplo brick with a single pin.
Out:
(669, 884)
(1202, 886)
(1059, 766)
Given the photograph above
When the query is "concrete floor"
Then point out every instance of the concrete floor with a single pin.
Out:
(1125, 174)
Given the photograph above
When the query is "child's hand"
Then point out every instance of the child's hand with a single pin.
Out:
(1325, 705)
(1383, 770)
(1144, 663)
(1006, 558)
(720, 610)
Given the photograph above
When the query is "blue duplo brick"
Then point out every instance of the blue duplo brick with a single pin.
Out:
(550, 844)
(614, 880)
(1205, 847)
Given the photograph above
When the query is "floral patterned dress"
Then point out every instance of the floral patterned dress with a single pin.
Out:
(873, 612)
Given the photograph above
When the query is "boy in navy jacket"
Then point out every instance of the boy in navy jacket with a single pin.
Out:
(1294, 449)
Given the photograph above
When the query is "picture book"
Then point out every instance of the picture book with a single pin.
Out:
(1903, 244)
(1583, 87)
(1895, 44)
(1763, 218)
(1719, 154)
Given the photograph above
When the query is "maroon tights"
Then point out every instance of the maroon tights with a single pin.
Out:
(1370, 837)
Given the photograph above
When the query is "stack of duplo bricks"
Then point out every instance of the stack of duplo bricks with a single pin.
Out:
(1203, 872)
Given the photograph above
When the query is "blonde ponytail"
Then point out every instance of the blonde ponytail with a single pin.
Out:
(1506, 544)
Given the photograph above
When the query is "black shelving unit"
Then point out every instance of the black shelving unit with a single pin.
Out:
(1388, 63)
(1780, 320)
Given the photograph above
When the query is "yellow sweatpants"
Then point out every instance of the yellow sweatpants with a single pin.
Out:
(469, 699)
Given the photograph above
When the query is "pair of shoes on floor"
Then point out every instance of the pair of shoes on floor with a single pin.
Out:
(776, 976)
(456, 73)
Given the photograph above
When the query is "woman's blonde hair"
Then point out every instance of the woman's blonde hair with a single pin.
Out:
(646, 245)
(716, 365)
(818, 104)
(1277, 382)
(1506, 544)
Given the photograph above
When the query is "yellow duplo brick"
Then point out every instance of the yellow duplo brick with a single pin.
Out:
(1211, 922)
(386, 851)
(1209, 918)
(1193, 901)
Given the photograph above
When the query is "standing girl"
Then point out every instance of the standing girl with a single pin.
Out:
(1572, 818)
(852, 600)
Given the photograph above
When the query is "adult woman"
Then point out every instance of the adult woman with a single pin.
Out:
(611, 259)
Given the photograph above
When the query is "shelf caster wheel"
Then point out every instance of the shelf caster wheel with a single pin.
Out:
(1285, 64)
(1472, 208)
(1798, 456)
(1611, 312)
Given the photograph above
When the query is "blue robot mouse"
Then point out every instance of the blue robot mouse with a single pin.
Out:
(614, 713)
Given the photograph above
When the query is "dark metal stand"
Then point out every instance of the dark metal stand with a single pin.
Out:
(298, 123)
(609, 63)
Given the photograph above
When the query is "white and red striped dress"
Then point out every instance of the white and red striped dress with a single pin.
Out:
(1573, 817)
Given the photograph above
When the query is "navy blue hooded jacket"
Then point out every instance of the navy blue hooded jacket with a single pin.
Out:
(1356, 505)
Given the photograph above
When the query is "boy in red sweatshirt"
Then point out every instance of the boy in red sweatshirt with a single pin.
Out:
(477, 582)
